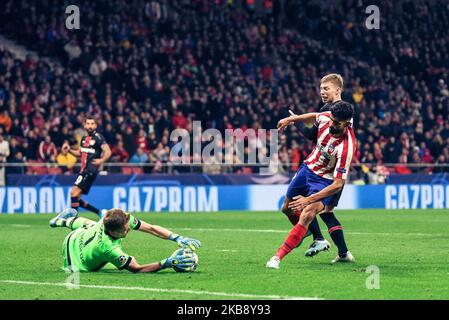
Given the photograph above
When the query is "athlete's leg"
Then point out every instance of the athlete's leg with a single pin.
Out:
(84, 204)
(78, 222)
(82, 186)
(299, 230)
(75, 196)
(335, 229)
(293, 217)
(298, 186)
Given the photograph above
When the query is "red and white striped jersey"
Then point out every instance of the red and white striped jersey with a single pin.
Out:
(331, 157)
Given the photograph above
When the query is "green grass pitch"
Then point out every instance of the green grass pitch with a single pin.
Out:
(409, 247)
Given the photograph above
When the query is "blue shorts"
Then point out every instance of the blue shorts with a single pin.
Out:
(305, 183)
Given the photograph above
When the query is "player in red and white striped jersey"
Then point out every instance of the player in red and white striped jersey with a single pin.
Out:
(332, 154)
(322, 174)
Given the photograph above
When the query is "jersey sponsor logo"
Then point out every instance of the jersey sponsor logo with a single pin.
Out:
(341, 170)
(324, 153)
(87, 150)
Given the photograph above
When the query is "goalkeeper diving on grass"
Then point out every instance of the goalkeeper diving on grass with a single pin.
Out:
(91, 245)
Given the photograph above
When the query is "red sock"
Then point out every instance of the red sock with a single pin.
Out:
(294, 238)
(294, 217)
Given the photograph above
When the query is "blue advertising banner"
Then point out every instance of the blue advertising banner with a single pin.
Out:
(157, 198)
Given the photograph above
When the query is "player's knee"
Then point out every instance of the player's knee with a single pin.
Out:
(307, 216)
(75, 192)
(285, 209)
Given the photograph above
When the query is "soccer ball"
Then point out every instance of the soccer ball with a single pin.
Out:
(194, 264)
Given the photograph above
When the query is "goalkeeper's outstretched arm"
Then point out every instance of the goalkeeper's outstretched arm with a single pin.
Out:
(178, 259)
(164, 233)
(155, 230)
(135, 267)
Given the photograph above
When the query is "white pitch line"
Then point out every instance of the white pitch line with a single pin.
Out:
(16, 225)
(160, 290)
(286, 231)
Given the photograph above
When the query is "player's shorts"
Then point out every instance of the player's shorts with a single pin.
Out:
(305, 183)
(85, 180)
(336, 198)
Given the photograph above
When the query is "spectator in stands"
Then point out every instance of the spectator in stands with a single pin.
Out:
(231, 69)
(66, 161)
(47, 150)
(73, 51)
(4, 154)
(139, 157)
(142, 141)
(119, 153)
(5, 120)
(98, 66)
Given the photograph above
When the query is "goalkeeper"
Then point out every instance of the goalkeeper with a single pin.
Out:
(91, 245)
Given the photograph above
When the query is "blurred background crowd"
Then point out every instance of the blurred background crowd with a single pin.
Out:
(145, 68)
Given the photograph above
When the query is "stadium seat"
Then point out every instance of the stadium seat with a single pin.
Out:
(127, 170)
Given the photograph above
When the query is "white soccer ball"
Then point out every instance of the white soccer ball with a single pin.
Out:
(185, 251)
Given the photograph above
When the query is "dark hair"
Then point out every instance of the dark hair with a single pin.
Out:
(90, 117)
(115, 219)
(342, 111)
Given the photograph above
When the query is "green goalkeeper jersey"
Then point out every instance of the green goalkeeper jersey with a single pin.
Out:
(89, 248)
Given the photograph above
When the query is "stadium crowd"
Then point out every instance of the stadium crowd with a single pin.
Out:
(145, 68)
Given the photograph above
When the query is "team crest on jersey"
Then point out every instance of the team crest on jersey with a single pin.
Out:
(331, 148)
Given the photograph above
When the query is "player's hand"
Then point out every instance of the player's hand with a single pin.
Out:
(184, 242)
(181, 261)
(97, 162)
(299, 203)
(65, 147)
(292, 114)
(283, 123)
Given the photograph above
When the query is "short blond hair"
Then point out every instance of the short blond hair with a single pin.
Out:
(335, 78)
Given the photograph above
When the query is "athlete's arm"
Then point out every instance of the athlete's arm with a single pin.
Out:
(308, 118)
(300, 202)
(106, 155)
(74, 152)
(135, 267)
(154, 230)
(163, 233)
(178, 259)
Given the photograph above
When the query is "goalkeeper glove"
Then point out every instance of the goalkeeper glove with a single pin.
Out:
(181, 261)
(190, 243)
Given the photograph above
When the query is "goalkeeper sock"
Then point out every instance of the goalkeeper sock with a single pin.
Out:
(75, 223)
(336, 232)
(75, 202)
(60, 222)
(294, 238)
(87, 206)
